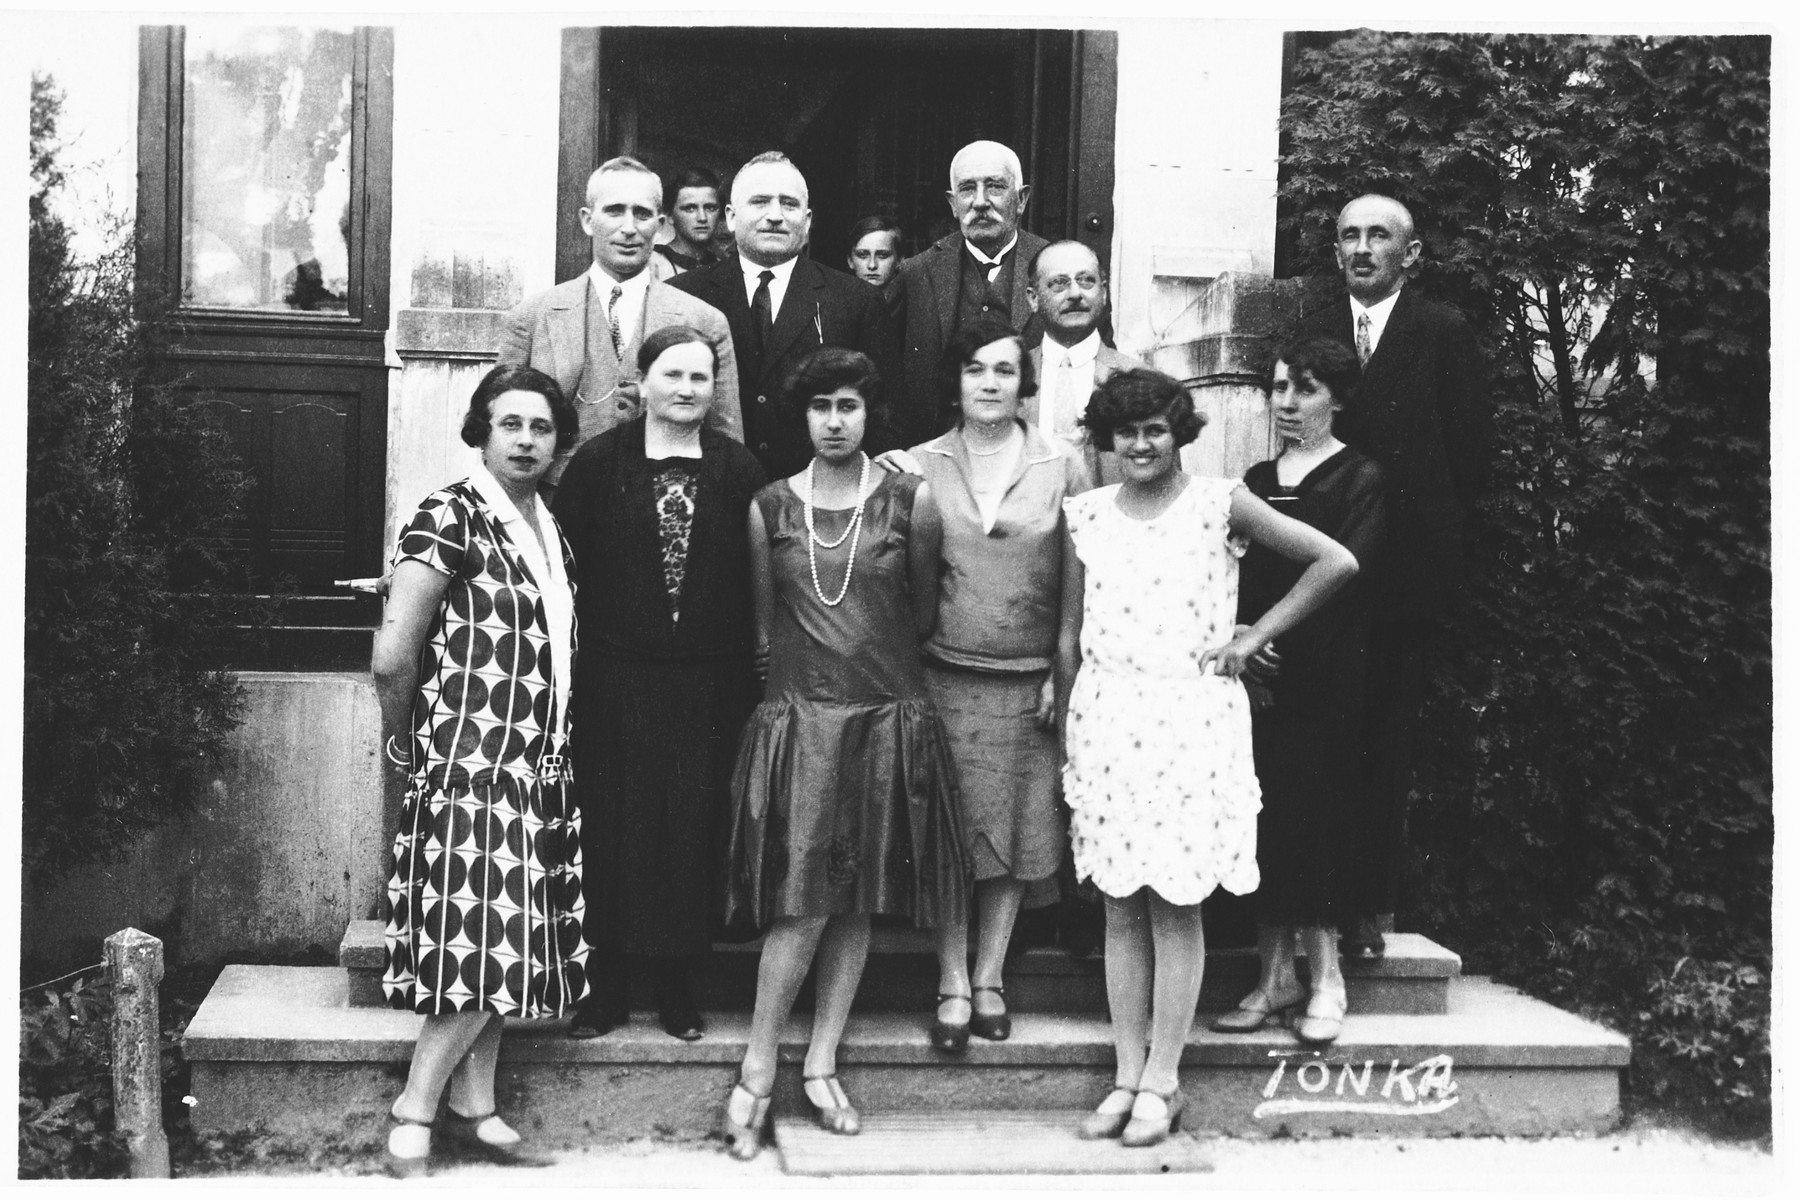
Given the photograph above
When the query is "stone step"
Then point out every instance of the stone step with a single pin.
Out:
(901, 976)
(282, 1048)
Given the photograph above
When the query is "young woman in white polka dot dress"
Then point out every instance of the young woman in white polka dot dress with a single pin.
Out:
(1159, 775)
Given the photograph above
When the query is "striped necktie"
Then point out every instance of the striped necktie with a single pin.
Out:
(612, 321)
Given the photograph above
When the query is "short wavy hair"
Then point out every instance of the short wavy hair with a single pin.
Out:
(478, 422)
(1135, 395)
(826, 370)
(668, 337)
(690, 177)
(1326, 360)
(959, 352)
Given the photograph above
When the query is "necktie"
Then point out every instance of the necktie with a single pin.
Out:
(760, 310)
(1068, 404)
(612, 320)
(1363, 348)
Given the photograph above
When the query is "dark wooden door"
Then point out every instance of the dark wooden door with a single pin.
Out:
(870, 116)
(276, 321)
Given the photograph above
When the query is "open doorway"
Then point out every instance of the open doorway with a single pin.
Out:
(870, 116)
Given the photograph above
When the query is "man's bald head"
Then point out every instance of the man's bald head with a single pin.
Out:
(1375, 246)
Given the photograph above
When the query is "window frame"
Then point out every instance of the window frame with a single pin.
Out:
(161, 112)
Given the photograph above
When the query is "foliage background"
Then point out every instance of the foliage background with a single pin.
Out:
(130, 490)
(1592, 812)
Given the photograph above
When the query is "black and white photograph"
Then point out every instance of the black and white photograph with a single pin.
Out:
(1053, 596)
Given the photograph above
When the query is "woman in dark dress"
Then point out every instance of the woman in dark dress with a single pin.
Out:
(1302, 730)
(654, 511)
(844, 793)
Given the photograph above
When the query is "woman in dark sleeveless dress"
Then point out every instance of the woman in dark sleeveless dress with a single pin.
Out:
(1302, 728)
(844, 792)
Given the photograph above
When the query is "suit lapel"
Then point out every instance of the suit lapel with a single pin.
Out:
(800, 308)
(1395, 346)
(1033, 410)
(568, 330)
(944, 269)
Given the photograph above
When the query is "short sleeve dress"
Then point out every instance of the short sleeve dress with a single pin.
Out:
(1159, 779)
(484, 899)
(844, 793)
(1306, 750)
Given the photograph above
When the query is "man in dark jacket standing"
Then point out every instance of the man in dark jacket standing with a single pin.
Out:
(1423, 414)
(781, 307)
(981, 268)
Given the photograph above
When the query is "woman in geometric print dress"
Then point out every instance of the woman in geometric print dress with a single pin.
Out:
(472, 667)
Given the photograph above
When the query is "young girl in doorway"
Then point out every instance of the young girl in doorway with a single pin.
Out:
(1159, 775)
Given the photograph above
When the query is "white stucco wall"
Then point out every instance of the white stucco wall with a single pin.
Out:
(1195, 168)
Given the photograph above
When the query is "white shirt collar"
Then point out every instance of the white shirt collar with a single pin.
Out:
(997, 259)
(778, 286)
(631, 297)
(632, 288)
(1379, 312)
(1079, 355)
(781, 271)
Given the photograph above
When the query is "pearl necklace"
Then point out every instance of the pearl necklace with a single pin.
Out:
(853, 531)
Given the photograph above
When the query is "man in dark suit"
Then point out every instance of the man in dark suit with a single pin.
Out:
(585, 332)
(981, 268)
(1422, 412)
(781, 306)
(1068, 296)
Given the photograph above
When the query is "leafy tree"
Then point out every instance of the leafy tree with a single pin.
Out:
(1592, 811)
(129, 490)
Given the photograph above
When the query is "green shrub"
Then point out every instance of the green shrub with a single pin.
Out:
(65, 1085)
(1592, 812)
(129, 493)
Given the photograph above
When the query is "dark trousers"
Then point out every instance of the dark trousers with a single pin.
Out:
(1400, 654)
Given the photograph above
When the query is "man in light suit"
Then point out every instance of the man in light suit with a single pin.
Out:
(781, 307)
(585, 333)
(1068, 294)
(1422, 412)
(981, 268)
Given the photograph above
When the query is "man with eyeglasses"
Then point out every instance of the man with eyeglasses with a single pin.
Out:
(980, 268)
(1068, 293)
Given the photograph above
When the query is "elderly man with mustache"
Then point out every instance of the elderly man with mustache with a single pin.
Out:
(978, 270)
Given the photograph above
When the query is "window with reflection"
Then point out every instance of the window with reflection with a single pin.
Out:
(266, 187)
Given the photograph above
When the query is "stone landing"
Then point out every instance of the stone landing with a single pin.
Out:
(284, 1048)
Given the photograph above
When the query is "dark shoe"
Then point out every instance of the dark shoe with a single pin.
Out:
(595, 1018)
(1147, 1127)
(675, 1006)
(839, 1116)
(1110, 1119)
(996, 1028)
(1362, 941)
(744, 1138)
(473, 1133)
(951, 1039)
(1256, 1009)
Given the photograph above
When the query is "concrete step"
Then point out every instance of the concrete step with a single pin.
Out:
(901, 976)
(282, 1048)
